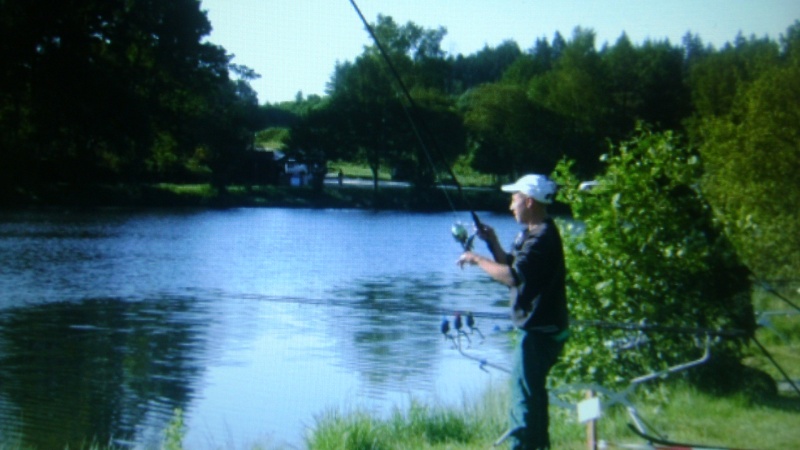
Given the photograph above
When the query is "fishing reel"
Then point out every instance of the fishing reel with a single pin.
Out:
(462, 236)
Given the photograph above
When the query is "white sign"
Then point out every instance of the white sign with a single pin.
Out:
(589, 409)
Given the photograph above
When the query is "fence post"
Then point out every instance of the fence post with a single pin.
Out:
(591, 427)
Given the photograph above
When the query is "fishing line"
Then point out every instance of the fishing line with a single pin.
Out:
(409, 116)
(775, 363)
(774, 292)
(422, 309)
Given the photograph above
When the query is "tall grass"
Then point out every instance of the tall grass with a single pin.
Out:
(685, 415)
(469, 425)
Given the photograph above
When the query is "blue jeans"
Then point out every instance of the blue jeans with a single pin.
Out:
(533, 358)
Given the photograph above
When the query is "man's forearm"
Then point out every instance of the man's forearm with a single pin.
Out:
(498, 271)
(498, 252)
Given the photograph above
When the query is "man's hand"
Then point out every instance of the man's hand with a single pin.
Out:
(487, 234)
(467, 258)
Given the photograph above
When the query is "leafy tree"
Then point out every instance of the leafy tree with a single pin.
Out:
(320, 129)
(433, 139)
(510, 134)
(745, 126)
(537, 61)
(110, 89)
(363, 100)
(751, 157)
(575, 88)
(620, 62)
(790, 44)
(694, 50)
(644, 249)
(645, 84)
(715, 78)
(485, 66)
(577, 91)
(376, 123)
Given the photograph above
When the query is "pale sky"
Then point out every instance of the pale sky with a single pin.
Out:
(295, 44)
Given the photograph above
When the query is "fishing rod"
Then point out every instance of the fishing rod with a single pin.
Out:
(459, 232)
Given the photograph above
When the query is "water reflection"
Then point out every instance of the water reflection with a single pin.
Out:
(390, 331)
(99, 369)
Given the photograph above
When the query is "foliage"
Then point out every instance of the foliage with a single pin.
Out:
(115, 90)
(645, 83)
(716, 77)
(509, 133)
(648, 252)
(751, 154)
(485, 66)
(173, 435)
(369, 120)
(574, 87)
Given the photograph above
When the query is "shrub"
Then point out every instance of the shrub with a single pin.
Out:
(644, 249)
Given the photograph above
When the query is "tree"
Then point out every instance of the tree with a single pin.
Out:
(745, 126)
(751, 157)
(645, 83)
(645, 250)
(377, 123)
(485, 66)
(113, 89)
(362, 96)
(510, 134)
(537, 61)
(577, 91)
(575, 88)
(715, 78)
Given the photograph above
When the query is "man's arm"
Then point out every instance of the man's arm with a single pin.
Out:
(498, 271)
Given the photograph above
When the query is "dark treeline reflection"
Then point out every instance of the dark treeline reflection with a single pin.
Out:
(100, 369)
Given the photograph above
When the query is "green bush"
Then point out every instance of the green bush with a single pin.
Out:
(645, 249)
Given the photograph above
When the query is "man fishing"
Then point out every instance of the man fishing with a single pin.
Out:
(535, 273)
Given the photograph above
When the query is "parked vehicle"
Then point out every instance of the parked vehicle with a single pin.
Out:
(294, 168)
(296, 172)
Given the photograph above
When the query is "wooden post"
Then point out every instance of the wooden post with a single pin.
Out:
(591, 428)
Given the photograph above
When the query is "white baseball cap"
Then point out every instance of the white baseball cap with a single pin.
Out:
(538, 187)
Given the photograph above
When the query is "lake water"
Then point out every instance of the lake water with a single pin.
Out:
(251, 321)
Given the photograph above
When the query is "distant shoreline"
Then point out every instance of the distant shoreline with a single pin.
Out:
(361, 196)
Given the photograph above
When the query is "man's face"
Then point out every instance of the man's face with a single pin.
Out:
(520, 207)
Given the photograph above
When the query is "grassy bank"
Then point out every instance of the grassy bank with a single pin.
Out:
(685, 415)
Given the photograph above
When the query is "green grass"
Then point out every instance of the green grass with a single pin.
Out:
(686, 415)
(466, 175)
(779, 333)
(196, 190)
(353, 170)
(470, 425)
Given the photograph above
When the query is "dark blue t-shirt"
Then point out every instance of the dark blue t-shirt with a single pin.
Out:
(539, 299)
